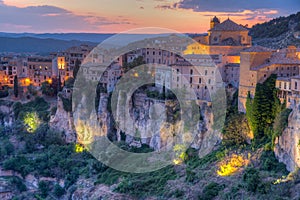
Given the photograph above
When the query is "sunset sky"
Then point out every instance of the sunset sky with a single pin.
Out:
(114, 16)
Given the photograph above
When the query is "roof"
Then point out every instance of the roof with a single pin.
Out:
(280, 58)
(257, 49)
(228, 25)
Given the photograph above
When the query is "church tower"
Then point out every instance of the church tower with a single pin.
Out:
(214, 22)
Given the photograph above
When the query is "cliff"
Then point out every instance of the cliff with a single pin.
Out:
(6, 113)
(157, 123)
(287, 146)
(63, 120)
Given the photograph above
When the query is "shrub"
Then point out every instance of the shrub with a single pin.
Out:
(211, 190)
(236, 130)
(43, 188)
(18, 183)
(58, 190)
(270, 163)
(252, 179)
(3, 93)
(18, 164)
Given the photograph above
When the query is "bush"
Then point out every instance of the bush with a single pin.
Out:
(18, 183)
(252, 179)
(19, 164)
(211, 190)
(141, 185)
(3, 93)
(270, 163)
(58, 190)
(43, 188)
(67, 103)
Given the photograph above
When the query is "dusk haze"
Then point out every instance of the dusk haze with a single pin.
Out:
(114, 16)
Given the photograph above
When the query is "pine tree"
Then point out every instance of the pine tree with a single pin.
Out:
(76, 68)
(262, 110)
(16, 86)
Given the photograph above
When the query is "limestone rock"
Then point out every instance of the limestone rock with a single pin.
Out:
(63, 121)
(287, 149)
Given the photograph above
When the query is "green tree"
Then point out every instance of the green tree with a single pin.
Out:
(136, 62)
(16, 86)
(76, 68)
(236, 130)
(59, 83)
(263, 109)
(47, 89)
(43, 188)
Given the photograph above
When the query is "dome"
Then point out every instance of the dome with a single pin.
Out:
(215, 19)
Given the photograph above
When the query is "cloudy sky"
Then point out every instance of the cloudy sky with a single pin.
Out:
(114, 16)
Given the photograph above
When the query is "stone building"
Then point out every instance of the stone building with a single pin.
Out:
(64, 62)
(38, 70)
(226, 40)
(258, 63)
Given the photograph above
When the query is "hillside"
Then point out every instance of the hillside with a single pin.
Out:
(36, 45)
(277, 33)
(88, 37)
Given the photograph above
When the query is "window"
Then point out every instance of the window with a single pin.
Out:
(296, 85)
(284, 86)
(200, 80)
(191, 71)
(205, 72)
(191, 80)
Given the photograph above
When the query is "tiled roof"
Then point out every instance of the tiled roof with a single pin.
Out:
(278, 58)
(258, 49)
(228, 25)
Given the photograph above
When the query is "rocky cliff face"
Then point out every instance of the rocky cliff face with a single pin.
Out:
(63, 121)
(6, 109)
(287, 148)
(155, 123)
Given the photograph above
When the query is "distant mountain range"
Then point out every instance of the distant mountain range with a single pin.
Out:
(89, 37)
(53, 42)
(37, 45)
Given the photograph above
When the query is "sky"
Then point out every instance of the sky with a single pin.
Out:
(115, 16)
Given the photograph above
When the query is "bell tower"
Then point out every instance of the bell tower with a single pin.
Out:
(214, 22)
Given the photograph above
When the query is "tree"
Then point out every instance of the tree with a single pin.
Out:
(236, 130)
(76, 68)
(16, 86)
(136, 62)
(59, 84)
(47, 89)
(262, 110)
